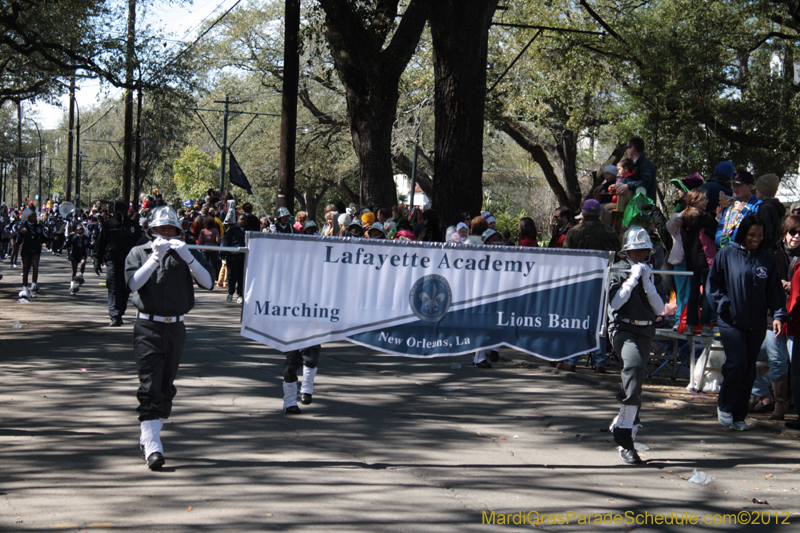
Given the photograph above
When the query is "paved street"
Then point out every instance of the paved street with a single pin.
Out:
(389, 444)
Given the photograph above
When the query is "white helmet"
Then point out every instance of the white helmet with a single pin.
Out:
(377, 226)
(164, 216)
(636, 238)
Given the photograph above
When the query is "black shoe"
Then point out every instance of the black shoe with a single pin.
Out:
(624, 437)
(630, 456)
(155, 461)
(482, 364)
(293, 410)
(305, 398)
(115, 322)
(494, 356)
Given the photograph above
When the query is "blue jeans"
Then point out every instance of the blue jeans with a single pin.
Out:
(600, 357)
(776, 351)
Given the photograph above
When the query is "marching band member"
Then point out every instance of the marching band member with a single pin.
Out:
(634, 306)
(160, 274)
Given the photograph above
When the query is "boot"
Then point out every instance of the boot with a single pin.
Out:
(150, 442)
(307, 389)
(290, 399)
(780, 390)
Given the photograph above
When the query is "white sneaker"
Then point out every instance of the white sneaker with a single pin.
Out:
(25, 293)
(741, 425)
(726, 419)
(73, 287)
(35, 288)
(239, 300)
(230, 298)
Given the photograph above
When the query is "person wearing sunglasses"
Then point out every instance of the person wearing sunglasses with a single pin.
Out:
(791, 233)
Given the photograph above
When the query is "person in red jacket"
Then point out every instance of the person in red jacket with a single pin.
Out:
(791, 232)
(562, 223)
(527, 232)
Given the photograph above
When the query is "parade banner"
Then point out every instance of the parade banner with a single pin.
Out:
(422, 299)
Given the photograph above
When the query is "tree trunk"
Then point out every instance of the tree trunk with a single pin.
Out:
(460, 32)
(372, 117)
(370, 73)
(567, 150)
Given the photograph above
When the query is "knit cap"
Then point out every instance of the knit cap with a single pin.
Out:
(767, 185)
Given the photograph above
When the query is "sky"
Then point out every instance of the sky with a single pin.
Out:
(176, 23)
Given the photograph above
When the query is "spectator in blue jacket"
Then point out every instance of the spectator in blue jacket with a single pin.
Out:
(743, 285)
(746, 203)
(718, 189)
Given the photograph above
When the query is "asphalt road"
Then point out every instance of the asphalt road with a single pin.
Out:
(389, 444)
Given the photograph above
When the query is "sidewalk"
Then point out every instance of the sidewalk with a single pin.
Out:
(389, 444)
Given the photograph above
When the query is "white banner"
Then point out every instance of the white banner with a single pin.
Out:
(422, 299)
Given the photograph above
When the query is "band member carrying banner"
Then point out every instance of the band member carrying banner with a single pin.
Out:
(160, 274)
(634, 305)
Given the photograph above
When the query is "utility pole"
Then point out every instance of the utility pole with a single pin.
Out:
(50, 180)
(137, 162)
(78, 161)
(128, 144)
(68, 186)
(291, 75)
(224, 144)
(19, 153)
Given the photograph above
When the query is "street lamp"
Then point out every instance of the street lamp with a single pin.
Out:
(39, 133)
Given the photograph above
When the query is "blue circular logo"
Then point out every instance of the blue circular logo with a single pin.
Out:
(430, 298)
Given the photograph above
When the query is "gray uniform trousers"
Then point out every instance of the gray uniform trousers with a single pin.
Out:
(633, 344)
(158, 348)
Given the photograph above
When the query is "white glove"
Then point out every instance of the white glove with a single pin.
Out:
(181, 249)
(647, 273)
(160, 248)
(637, 270)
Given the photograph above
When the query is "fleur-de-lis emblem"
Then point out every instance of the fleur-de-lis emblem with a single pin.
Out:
(431, 303)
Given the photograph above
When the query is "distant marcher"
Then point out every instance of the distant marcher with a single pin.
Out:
(117, 237)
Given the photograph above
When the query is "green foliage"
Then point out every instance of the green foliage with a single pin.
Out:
(506, 214)
(194, 173)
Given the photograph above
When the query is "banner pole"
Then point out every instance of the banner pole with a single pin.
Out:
(259, 202)
(604, 331)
